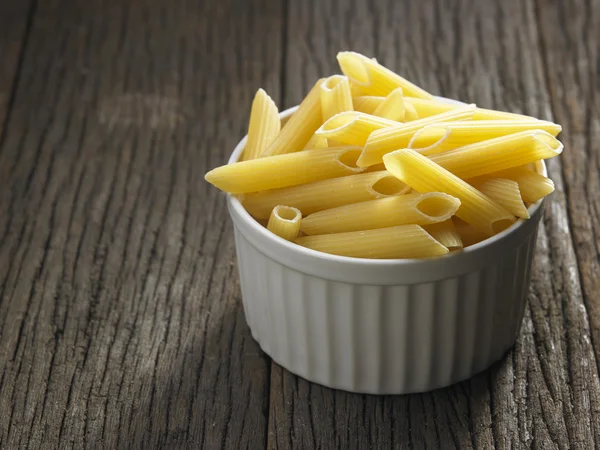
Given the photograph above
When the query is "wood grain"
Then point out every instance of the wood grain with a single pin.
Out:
(120, 316)
(545, 393)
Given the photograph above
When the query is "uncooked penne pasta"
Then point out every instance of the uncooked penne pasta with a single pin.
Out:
(366, 103)
(501, 153)
(445, 233)
(375, 168)
(316, 141)
(469, 235)
(532, 185)
(419, 209)
(503, 191)
(404, 241)
(410, 113)
(392, 107)
(312, 197)
(424, 175)
(264, 125)
(285, 170)
(389, 139)
(353, 128)
(285, 222)
(375, 79)
(300, 127)
(440, 138)
(335, 96)
(426, 108)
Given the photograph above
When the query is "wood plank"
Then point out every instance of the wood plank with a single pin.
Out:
(120, 317)
(545, 392)
(14, 27)
(572, 54)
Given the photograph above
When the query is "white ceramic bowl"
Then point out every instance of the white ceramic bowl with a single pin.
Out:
(383, 326)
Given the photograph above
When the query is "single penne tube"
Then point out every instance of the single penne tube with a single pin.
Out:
(410, 113)
(392, 107)
(312, 197)
(335, 96)
(316, 142)
(424, 175)
(375, 79)
(419, 209)
(264, 125)
(385, 140)
(445, 233)
(300, 127)
(366, 103)
(503, 191)
(285, 222)
(532, 185)
(469, 235)
(500, 153)
(426, 108)
(439, 138)
(404, 241)
(353, 128)
(280, 171)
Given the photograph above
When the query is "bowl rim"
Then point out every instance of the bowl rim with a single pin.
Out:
(286, 252)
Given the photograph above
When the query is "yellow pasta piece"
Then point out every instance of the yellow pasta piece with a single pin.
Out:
(500, 153)
(375, 168)
(404, 241)
(285, 170)
(532, 185)
(316, 142)
(285, 222)
(439, 138)
(503, 191)
(375, 79)
(426, 108)
(367, 103)
(353, 128)
(300, 127)
(410, 113)
(392, 107)
(264, 125)
(424, 175)
(312, 197)
(469, 235)
(335, 96)
(445, 233)
(386, 140)
(419, 209)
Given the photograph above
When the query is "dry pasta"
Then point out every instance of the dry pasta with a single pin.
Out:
(375, 79)
(386, 140)
(440, 138)
(300, 127)
(404, 241)
(445, 233)
(285, 222)
(367, 103)
(335, 96)
(420, 209)
(426, 108)
(312, 197)
(392, 107)
(503, 191)
(285, 170)
(532, 185)
(469, 235)
(264, 125)
(501, 153)
(353, 128)
(424, 175)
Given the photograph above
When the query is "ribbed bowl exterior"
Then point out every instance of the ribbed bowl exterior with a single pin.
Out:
(383, 326)
(384, 339)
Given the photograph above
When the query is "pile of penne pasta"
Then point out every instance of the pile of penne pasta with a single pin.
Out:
(372, 166)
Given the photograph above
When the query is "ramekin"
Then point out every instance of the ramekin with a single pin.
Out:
(383, 326)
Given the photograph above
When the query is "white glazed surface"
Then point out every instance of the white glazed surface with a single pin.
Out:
(383, 326)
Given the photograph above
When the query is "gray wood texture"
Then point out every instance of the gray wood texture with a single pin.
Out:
(121, 323)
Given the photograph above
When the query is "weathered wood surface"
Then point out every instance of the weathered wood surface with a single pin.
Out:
(120, 316)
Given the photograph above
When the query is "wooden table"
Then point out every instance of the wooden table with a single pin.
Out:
(121, 323)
